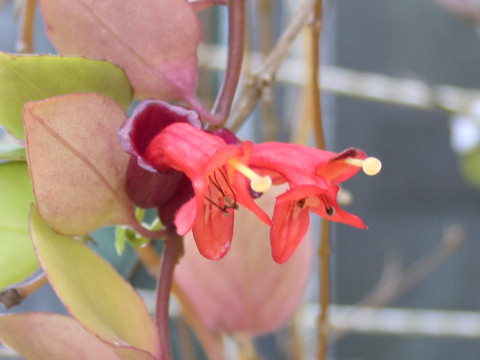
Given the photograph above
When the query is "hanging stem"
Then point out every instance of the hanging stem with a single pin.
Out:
(325, 249)
(133, 222)
(172, 252)
(14, 295)
(315, 75)
(236, 35)
(211, 341)
(25, 41)
(265, 76)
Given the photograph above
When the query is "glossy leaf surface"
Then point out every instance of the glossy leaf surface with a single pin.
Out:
(94, 293)
(27, 78)
(76, 162)
(40, 336)
(155, 41)
(17, 258)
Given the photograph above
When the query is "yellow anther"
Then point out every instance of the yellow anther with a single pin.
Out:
(371, 165)
(258, 183)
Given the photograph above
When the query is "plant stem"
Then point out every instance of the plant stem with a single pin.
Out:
(236, 42)
(325, 251)
(172, 252)
(25, 41)
(315, 74)
(133, 222)
(210, 341)
(14, 295)
(264, 77)
(325, 248)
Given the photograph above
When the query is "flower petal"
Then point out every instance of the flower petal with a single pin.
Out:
(147, 120)
(295, 163)
(289, 225)
(213, 229)
(183, 147)
(186, 216)
(339, 215)
(226, 293)
(335, 170)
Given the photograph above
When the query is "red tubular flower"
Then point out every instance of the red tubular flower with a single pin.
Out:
(173, 155)
(313, 176)
(217, 172)
(148, 187)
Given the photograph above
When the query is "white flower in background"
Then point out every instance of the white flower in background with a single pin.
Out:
(465, 130)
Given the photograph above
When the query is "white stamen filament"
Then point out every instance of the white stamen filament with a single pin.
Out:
(371, 165)
(258, 183)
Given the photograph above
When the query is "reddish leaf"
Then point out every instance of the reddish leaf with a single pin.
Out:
(76, 162)
(154, 41)
(39, 336)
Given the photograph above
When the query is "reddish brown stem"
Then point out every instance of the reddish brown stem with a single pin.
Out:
(236, 35)
(173, 250)
(211, 342)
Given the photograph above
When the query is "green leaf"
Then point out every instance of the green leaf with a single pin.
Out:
(124, 234)
(17, 258)
(12, 152)
(39, 336)
(37, 77)
(120, 239)
(470, 167)
(94, 293)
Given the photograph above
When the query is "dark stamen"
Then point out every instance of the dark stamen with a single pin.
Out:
(301, 203)
(328, 207)
(235, 206)
(216, 183)
(330, 211)
(222, 209)
(229, 202)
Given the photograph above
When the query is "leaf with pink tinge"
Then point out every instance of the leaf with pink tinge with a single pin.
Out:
(95, 294)
(154, 41)
(40, 336)
(26, 78)
(76, 162)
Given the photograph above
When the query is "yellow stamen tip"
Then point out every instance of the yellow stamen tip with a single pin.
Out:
(261, 184)
(371, 166)
(258, 183)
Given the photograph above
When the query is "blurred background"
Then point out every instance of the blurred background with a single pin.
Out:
(401, 82)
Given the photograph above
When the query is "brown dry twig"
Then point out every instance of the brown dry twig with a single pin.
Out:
(14, 295)
(262, 79)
